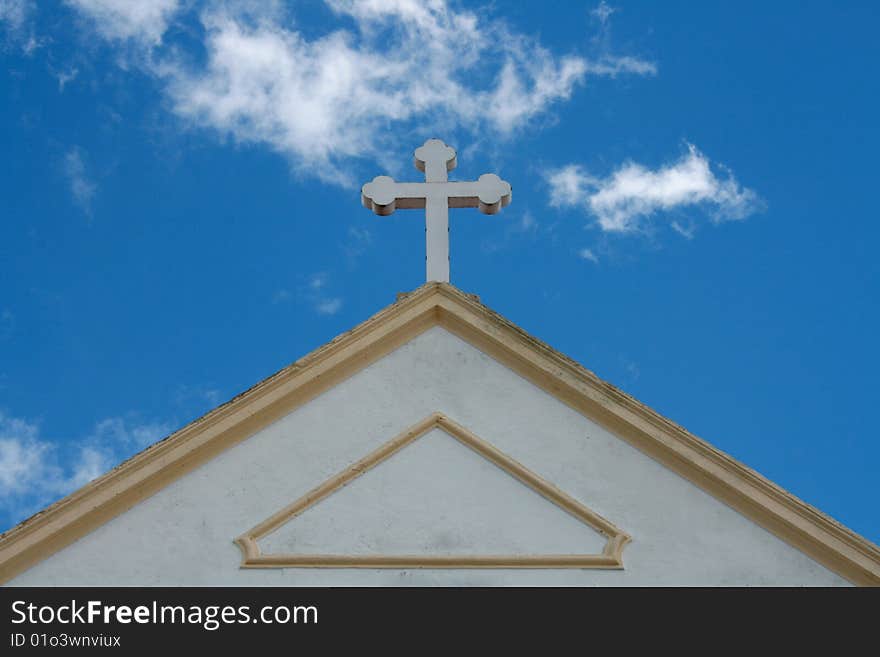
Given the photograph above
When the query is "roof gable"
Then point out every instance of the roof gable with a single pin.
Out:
(797, 523)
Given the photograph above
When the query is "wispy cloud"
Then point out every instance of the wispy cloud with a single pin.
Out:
(317, 282)
(65, 76)
(608, 61)
(515, 226)
(34, 471)
(633, 194)
(127, 434)
(684, 228)
(612, 66)
(22, 457)
(357, 241)
(14, 13)
(119, 20)
(322, 302)
(324, 99)
(525, 224)
(603, 12)
(197, 398)
(631, 369)
(7, 323)
(81, 186)
(329, 306)
(16, 29)
(587, 254)
(315, 292)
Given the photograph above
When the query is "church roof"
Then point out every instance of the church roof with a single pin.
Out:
(434, 303)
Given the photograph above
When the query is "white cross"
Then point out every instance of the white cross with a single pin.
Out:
(436, 195)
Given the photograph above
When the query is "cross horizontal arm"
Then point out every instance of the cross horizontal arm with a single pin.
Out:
(384, 194)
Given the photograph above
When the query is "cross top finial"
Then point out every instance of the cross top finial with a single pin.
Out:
(436, 195)
(435, 159)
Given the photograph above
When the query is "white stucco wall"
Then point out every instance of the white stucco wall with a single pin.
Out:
(435, 496)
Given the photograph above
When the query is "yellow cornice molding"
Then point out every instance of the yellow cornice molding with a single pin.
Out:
(770, 506)
(611, 556)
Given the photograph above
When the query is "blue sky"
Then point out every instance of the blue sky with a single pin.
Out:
(693, 214)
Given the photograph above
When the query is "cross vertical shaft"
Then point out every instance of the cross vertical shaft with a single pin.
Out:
(436, 159)
(437, 233)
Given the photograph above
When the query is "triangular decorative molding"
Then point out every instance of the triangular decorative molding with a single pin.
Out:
(610, 558)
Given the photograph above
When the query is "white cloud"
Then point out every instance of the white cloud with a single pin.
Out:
(329, 306)
(198, 397)
(603, 12)
(322, 100)
(623, 201)
(631, 369)
(569, 185)
(92, 463)
(317, 281)
(587, 254)
(358, 240)
(281, 295)
(7, 323)
(14, 13)
(35, 471)
(612, 66)
(144, 21)
(350, 88)
(66, 76)
(515, 227)
(123, 435)
(81, 186)
(686, 230)
(23, 457)
(526, 223)
(316, 294)
(16, 18)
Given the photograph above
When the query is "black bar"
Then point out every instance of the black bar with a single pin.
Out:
(452, 617)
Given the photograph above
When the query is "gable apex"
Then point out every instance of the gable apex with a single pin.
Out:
(441, 304)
